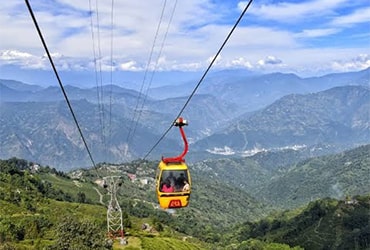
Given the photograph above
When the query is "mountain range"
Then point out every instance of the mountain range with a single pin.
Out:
(336, 116)
(233, 114)
(252, 92)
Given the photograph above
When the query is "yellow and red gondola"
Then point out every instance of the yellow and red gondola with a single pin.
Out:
(173, 181)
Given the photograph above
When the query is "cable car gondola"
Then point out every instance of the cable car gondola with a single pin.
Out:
(173, 182)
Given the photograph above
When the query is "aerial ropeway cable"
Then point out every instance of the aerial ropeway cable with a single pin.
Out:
(111, 75)
(137, 113)
(182, 109)
(154, 69)
(61, 85)
(98, 70)
(173, 180)
(201, 79)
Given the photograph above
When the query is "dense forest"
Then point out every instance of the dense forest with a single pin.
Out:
(42, 208)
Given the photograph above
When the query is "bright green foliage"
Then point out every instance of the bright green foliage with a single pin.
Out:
(323, 224)
(160, 243)
(30, 212)
(85, 235)
(333, 176)
(287, 179)
(254, 244)
(47, 209)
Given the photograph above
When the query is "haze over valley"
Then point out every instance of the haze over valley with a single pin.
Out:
(325, 114)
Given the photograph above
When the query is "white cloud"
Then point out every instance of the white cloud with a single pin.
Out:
(291, 12)
(130, 66)
(55, 55)
(312, 33)
(13, 55)
(190, 66)
(239, 62)
(360, 62)
(29, 61)
(22, 59)
(270, 60)
(218, 60)
(361, 15)
(271, 64)
(196, 32)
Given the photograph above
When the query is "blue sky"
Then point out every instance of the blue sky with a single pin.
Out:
(308, 38)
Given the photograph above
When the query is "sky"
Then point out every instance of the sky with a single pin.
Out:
(131, 38)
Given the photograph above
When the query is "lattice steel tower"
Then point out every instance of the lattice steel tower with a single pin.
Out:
(114, 212)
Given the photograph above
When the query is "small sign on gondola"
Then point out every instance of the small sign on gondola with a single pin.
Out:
(175, 204)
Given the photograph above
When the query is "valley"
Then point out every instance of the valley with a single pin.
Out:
(272, 175)
(36, 124)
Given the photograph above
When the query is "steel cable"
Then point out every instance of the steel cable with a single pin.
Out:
(202, 78)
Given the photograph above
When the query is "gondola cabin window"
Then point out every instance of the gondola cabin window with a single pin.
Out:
(174, 181)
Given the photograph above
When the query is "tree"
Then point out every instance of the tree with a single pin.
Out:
(81, 197)
(157, 224)
(72, 234)
(126, 220)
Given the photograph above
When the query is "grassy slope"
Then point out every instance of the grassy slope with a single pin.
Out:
(55, 211)
(323, 224)
(209, 202)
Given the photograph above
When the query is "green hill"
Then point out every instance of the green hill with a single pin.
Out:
(41, 208)
(323, 224)
(336, 176)
(291, 179)
(207, 209)
(54, 205)
(48, 210)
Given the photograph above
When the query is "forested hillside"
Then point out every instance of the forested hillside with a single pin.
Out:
(337, 176)
(323, 224)
(289, 179)
(45, 208)
(207, 203)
